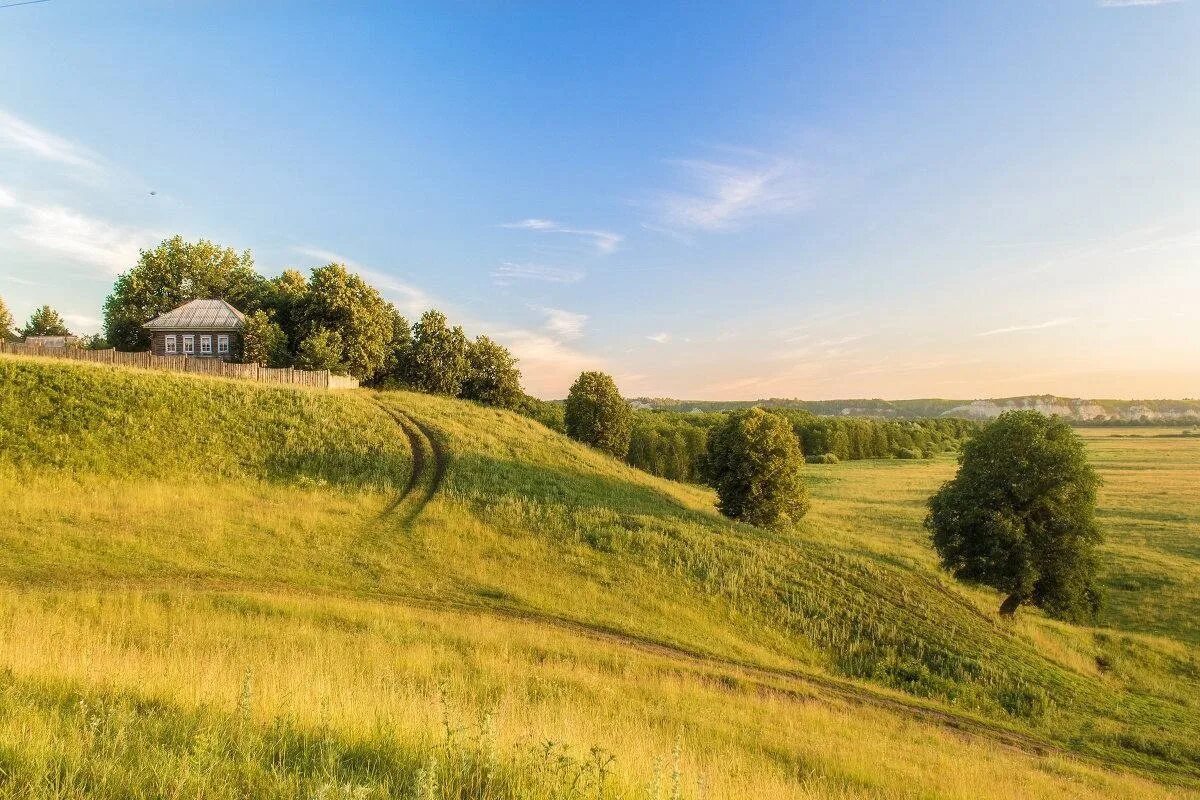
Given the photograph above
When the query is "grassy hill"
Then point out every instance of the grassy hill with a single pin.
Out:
(232, 590)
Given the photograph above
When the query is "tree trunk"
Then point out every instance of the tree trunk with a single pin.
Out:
(1010, 605)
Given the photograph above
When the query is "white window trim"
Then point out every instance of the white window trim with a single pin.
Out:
(206, 345)
(189, 345)
(222, 344)
(170, 345)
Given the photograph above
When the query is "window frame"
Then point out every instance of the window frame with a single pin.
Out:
(170, 344)
(222, 344)
(206, 344)
(189, 344)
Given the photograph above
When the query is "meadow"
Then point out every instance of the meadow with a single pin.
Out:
(369, 595)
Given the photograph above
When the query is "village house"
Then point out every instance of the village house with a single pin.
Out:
(198, 329)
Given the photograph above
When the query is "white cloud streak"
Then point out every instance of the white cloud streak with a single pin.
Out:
(660, 338)
(726, 196)
(565, 324)
(509, 273)
(603, 241)
(1131, 3)
(1053, 323)
(17, 134)
(76, 236)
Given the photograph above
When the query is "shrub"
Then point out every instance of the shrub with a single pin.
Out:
(908, 452)
(754, 464)
(597, 415)
(826, 458)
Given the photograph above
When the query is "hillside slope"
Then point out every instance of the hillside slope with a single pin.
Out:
(264, 532)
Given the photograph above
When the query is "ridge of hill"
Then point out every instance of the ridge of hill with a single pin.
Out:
(1071, 408)
(248, 525)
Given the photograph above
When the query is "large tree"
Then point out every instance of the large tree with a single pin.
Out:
(322, 349)
(437, 359)
(1020, 516)
(45, 321)
(755, 464)
(171, 274)
(338, 301)
(6, 321)
(597, 415)
(264, 342)
(493, 379)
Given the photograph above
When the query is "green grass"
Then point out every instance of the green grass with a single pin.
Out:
(561, 591)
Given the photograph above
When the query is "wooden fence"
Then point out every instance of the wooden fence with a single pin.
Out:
(319, 379)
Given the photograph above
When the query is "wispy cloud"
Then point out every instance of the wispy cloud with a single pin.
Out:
(564, 324)
(16, 133)
(74, 235)
(603, 241)
(407, 298)
(508, 273)
(1053, 323)
(660, 338)
(1128, 3)
(724, 196)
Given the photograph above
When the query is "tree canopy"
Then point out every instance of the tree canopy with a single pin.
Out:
(45, 321)
(341, 302)
(492, 377)
(6, 321)
(597, 415)
(438, 356)
(171, 274)
(754, 463)
(1020, 516)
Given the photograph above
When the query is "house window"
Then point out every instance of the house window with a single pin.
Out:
(222, 345)
(206, 345)
(169, 344)
(189, 344)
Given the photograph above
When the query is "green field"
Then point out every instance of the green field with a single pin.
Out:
(225, 590)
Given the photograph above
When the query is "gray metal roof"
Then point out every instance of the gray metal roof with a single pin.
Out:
(200, 315)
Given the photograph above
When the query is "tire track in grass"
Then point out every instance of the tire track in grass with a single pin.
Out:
(429, 466)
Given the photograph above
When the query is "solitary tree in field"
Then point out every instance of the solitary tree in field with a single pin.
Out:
(754, 462)
(45, 322)
(6, 321)
(437, 359)
(597, 415)
(493, 378)
(1020, 516)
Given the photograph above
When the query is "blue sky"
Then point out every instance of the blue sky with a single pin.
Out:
(817, 200)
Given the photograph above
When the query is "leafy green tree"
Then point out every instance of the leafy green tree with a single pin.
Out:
(171, 274)
(754, 462)
(264, 342)
(438, 359)
(399, 350)
(322, 349)
(45, 321)
(1020, 516)
(6, 321)
(551, 413)
(94, 341)
(285, 296)
(338, 301)
(597, 415)
(493, 379)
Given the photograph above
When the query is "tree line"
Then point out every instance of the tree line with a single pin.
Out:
(1019, 515)
(673, 444)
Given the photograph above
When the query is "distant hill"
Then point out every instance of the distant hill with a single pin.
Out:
(1075, 409)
